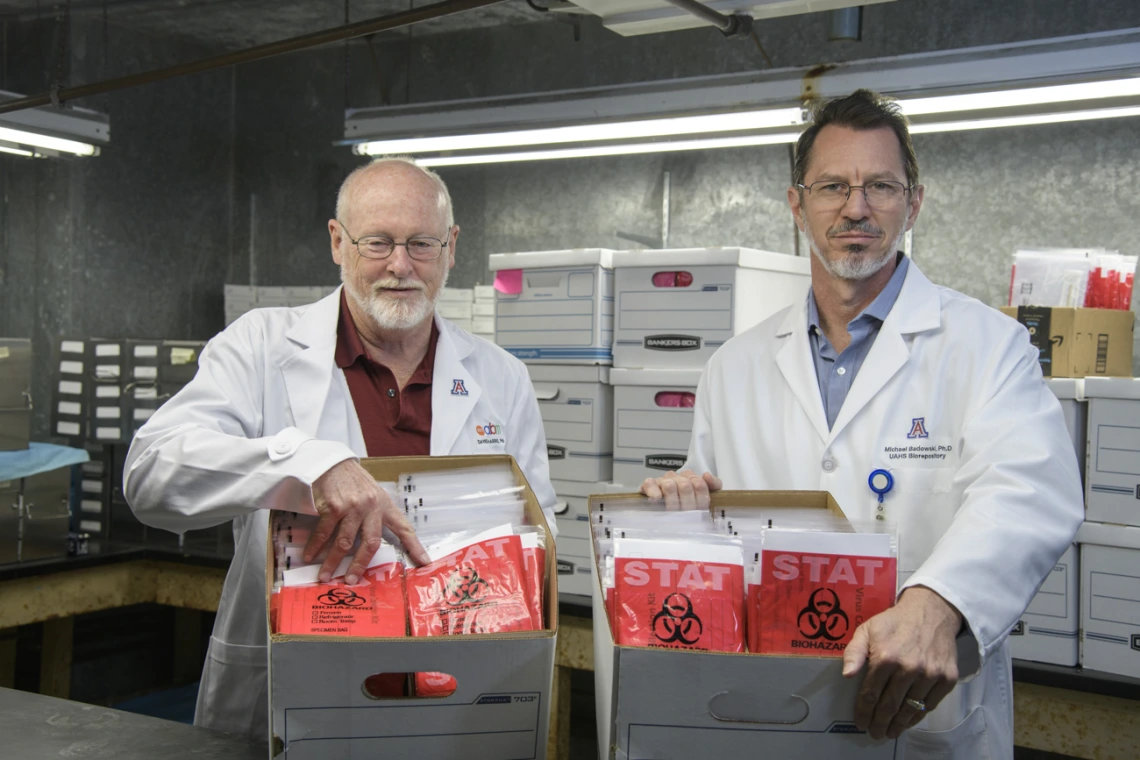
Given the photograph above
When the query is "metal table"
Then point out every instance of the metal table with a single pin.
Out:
(37, 726)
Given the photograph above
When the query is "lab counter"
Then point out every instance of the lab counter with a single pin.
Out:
(34, 725)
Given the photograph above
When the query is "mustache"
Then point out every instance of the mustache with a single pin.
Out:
(853, 226)
(396, 284)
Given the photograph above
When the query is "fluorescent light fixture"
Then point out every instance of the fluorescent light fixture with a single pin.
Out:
(622, 130)
(626, 149)
(51, 131)
(1027, 120)
(1068, 79)
(15, 150)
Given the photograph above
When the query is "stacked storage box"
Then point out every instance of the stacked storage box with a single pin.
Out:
(1110, 538)
(1048, 629)
(483, 312)
(673, 310)
(554, 310)
(242, 298)
(15, 393)
(455, 305)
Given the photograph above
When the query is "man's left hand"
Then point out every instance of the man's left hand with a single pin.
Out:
(910, 653)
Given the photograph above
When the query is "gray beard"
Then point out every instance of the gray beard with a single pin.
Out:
(394, 315)
(856, 265)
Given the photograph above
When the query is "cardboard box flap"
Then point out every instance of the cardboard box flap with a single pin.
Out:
(1112, 387)
(748, 258)
(578, 257)
(665, 378)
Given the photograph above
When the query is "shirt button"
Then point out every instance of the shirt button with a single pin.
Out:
(391, 393)
(841, 371)
(282, 447)
(828, 465)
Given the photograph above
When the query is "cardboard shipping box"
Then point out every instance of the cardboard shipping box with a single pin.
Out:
(501, 706)
(1110, 598)
(1047, 630)
(658, 703)
(1079, 342)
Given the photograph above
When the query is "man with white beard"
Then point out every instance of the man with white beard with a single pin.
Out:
(913, 405)
(286, 401)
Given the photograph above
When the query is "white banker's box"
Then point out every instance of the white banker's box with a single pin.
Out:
(1110, 598)
(1112, 481)
(500, 708)
(555, 306)
(676, 307)
(575, 566)
(577, 410)
(656, 703)
(1048, 629)
(653, 421)
(1070, 392)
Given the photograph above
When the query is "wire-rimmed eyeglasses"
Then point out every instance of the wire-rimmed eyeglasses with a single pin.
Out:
(420, 248)
(881, 194)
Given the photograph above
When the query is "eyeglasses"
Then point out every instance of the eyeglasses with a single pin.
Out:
(378, 247)
(882, 194)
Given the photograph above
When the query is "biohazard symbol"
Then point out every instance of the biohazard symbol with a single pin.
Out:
(465, 586)
(341, 597)
(822, 617)
(676, 621)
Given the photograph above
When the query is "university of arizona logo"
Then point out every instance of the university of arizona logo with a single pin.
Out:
(457, 388)
(918, 428)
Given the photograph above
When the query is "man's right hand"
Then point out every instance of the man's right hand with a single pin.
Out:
(349, 502)
(682, 490)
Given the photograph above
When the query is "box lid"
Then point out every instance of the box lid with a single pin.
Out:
(456, 295)
(1066, 388)
(577, 489)
(1112, 387)
(686, 378)
(749, 258)
(1109, 534)
(568, 373)
(576, 257)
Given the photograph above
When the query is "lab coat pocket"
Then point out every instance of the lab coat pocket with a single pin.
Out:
(931, 480)
(965, 741)
(233, 695)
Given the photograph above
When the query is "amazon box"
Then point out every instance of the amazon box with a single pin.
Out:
(656, 702)
(1078, 342)
(320, 707)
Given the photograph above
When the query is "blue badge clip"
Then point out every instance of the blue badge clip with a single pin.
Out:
(881, 482)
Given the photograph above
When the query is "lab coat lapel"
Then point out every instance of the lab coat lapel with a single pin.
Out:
(308, 372)
(793, 357)
(917, 309)
(454, 391)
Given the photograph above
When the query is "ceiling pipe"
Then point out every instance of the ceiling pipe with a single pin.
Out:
(258, 53)
(846, 25)
(736, 26)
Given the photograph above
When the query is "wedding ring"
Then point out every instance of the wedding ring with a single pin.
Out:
(917, 704)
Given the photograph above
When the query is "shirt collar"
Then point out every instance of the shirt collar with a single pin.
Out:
(879, 308)
(350, 348)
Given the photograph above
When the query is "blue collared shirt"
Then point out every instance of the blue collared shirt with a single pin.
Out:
(836, 372)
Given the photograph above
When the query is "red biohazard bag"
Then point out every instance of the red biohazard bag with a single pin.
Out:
(474, 587)
(679, 594)
(816, 588)
(372, 607)
(534, 558)
(434, 685)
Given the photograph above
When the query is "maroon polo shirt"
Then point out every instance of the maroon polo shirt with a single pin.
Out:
(394, 422)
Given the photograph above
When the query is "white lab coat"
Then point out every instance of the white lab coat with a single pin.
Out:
(981, 526)
(269, 412)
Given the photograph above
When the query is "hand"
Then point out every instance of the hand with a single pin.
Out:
(682, 490)
(911, 653)
(349, 502)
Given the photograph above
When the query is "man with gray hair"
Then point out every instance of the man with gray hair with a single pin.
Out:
(286, 402)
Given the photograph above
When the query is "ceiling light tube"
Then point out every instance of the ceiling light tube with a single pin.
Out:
(36, 140)
(1024, 120)
(15, 150)
(622, 130)
(1030, 96)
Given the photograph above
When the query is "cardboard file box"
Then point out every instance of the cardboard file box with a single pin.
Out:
(501, 706)
(1070, 392)
(555, 306)
(1047, 630)
(668, 703)
(576, 404)
(676, 307)
(1078, 342)
(575, 566)
(1110, 598)
(653, 422)
(1112, 479)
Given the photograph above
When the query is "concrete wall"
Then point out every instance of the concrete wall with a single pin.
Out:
(230, 176)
